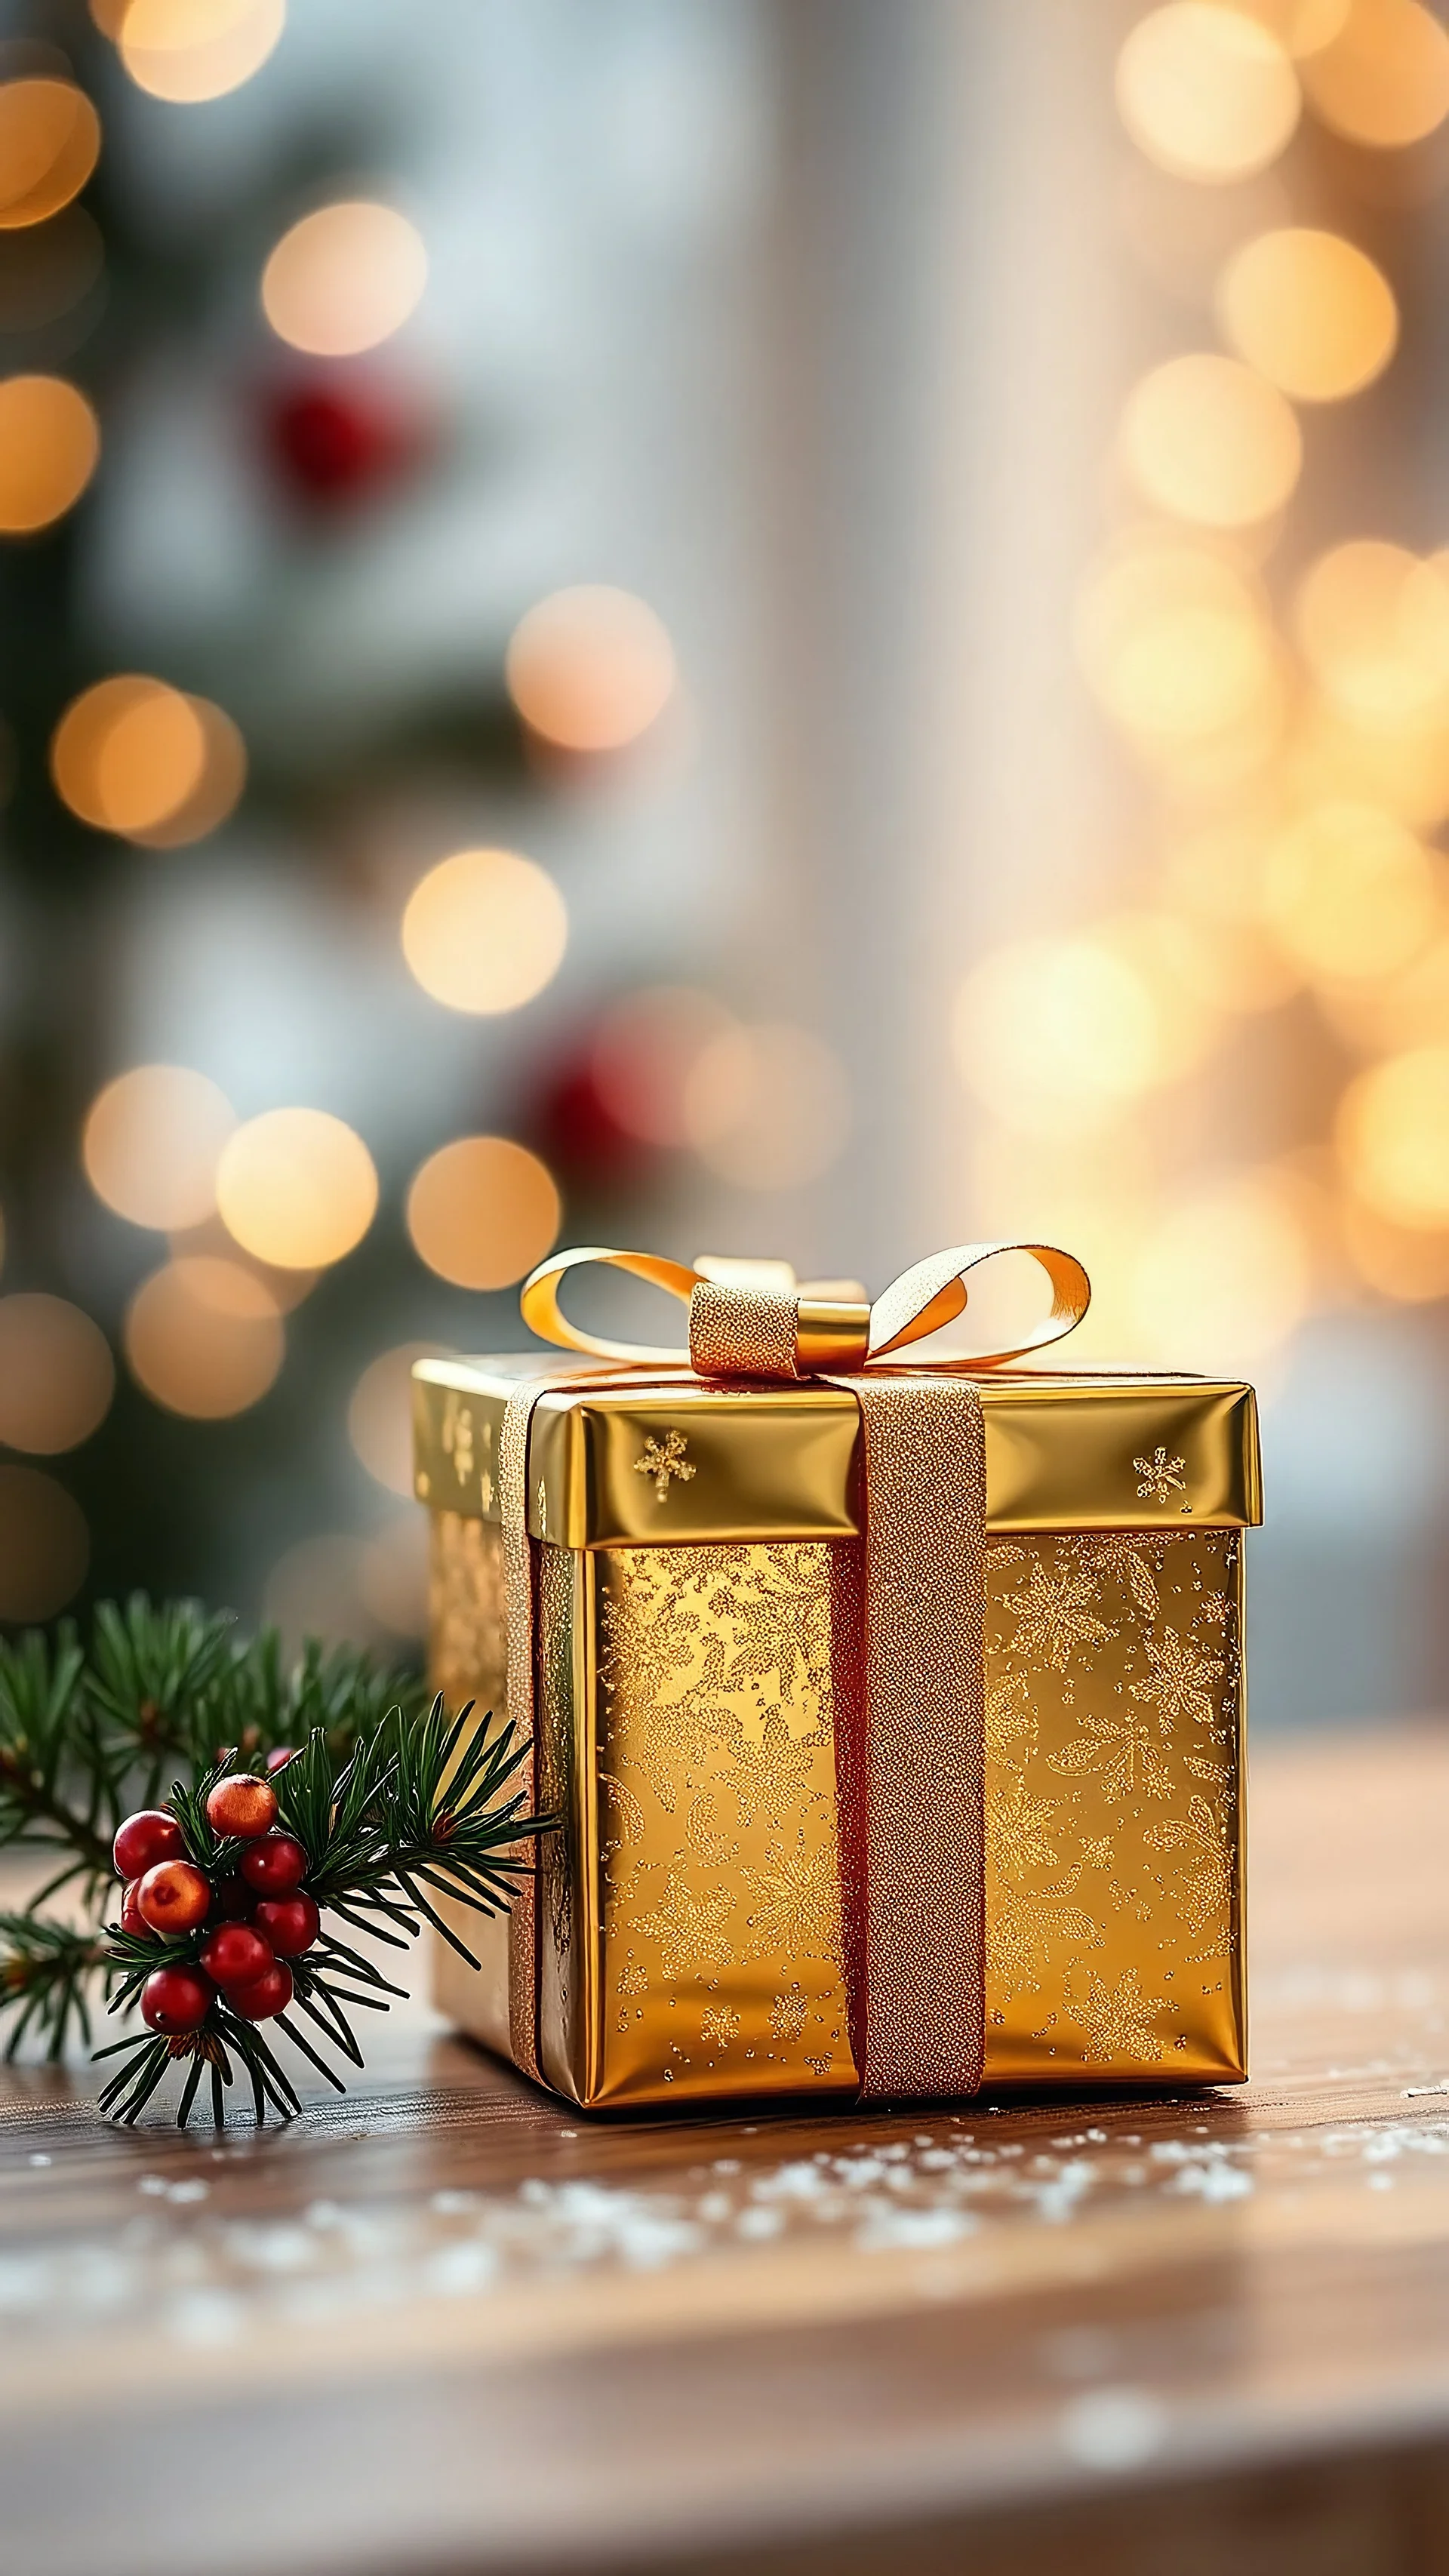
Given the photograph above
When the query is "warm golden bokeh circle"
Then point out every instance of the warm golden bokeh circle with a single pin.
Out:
(1224, 1277)
(1373, 623)
(189, 50)
(1393, 1137)
(296, 1187)
(133, 755)
(1205, 92)
(49, 442)
(204, 1338)
(1310, 311)
(50, 141)
(482, 1212)
(1175, 641)
(380, 1414)
(767, 1108)
(151, 1142)
(1351, 892)
(1208, 439)
(344, 279)
(44, 1545)
(1056, 1035)
(485, 931)
(1383, 80)
(56, 1374)
(590, 669)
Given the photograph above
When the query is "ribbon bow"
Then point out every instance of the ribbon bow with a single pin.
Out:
(749, 1319)
(911, 1707)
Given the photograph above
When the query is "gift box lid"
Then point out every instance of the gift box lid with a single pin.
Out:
(664, 1460)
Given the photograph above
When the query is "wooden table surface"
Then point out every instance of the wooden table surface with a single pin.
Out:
(446, 2325)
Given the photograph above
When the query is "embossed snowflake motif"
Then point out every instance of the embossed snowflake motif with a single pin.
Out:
(1053, 1619)
(795, 1903)
(1118, 2022)
(689, 1930)
(1206, 1873)
(1162, 1476)
(1120, 1750)
(662, 1459)
(1180, 1683)
(718, 2025)
(1016, 1831)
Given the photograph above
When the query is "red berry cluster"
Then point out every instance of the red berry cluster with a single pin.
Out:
(258, 1915)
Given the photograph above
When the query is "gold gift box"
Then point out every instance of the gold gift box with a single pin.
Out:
(697, 1603)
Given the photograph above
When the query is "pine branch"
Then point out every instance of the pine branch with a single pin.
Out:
(47, 1971)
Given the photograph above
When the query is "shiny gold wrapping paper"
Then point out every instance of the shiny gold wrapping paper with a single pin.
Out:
(688, 1699)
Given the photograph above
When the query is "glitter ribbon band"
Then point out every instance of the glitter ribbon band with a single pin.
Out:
(911, 1749)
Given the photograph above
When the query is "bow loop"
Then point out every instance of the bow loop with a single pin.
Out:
(749, 1319)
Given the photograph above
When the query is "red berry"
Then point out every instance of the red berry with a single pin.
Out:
(265, 1997)
(241, 1806)
(144, 1839)
(231, 1899)
(279, 1757)
(132, 1919)
(175, 1999)
(275, 1866)
(291, 1923)
(174, 1896)
(235, 1955)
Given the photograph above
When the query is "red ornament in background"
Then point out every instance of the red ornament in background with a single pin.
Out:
(575, 1129)
(340, 440)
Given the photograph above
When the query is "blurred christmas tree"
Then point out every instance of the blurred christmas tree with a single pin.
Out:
(325, 544)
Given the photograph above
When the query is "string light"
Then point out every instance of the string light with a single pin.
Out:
(482, 1212)
(590, 669)
(50, 141)
(296, 1187)
(1206, 439)
(204, 1338)
(1383, 78)
(1310, 311)
(1205, 92)
(344, 279)
(132, 755)
(189, 50)
(50, 440)
(56, 1374)
(485, 931)
(151, 1143)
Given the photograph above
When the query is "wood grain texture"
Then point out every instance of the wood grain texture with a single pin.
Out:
(446, 2324)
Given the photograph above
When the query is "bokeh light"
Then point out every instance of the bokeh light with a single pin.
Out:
(1214, 877)
(49, 442)
(1206, 92)
(296, 1187)
(188, 50)
(380, 1414)
(56, 1374)
(1056, 1035)
(1224, 1277)
(204, 1338)
(1351, 892)
(151, 1143)
(645, 1050)
(1301, 26)
(484, 931)
(134, 756)
(344, 279)
(1373, 624)
(50, 141)
(1174, 639)
(590, 669)
(46, 270)
(482, 1211)
(767, 1108)
(44, 1545)
(1207, 439)
(1384, 78)
(346, 1590)
(1399, 1261)
(1392, 1134)
(1310, 311)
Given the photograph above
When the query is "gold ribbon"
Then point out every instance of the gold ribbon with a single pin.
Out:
(911, 1739)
